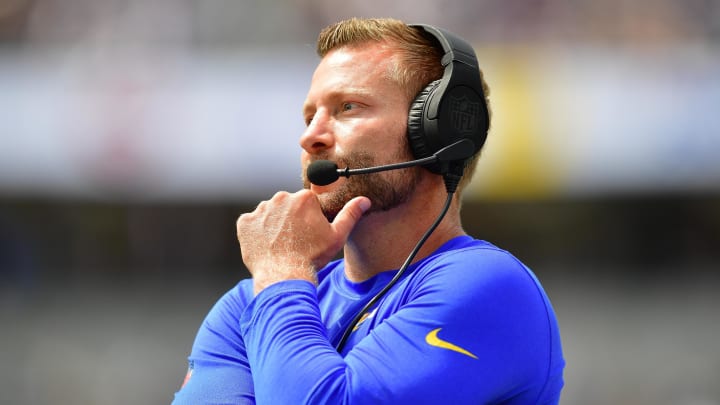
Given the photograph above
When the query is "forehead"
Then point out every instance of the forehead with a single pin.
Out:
(371, 54)
(354, 66)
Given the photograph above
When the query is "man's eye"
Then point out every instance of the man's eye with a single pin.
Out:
(348, 106)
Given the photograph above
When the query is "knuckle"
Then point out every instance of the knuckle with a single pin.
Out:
(280, 195)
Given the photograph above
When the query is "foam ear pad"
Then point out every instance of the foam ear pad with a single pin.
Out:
(415, 129)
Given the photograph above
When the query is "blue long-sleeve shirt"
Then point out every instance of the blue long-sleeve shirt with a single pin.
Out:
(469, 324)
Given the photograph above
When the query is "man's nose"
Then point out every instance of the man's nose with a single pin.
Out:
(318, 135)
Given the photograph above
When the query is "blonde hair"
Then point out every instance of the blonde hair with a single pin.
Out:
(417, 63)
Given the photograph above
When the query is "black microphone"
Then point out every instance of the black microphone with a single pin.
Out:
(324, 172)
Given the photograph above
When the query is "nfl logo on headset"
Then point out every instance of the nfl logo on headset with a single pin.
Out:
(464, 115)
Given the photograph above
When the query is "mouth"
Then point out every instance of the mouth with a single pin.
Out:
(317, 188)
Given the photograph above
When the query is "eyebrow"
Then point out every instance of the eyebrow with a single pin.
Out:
(339, 94)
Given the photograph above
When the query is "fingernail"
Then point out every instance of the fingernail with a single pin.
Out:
(365, 204)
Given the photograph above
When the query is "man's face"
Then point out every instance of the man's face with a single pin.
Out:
(357, 117)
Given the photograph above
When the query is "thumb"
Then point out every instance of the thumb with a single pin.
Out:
(349, 215)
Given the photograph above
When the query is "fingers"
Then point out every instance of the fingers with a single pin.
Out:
(285, 235)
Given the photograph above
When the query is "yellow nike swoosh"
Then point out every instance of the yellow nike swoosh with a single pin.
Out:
(433, 340)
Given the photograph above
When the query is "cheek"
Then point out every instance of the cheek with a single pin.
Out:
(397, 128)
(384, 136)
(401, 145)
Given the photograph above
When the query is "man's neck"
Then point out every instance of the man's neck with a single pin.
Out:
(382, 241)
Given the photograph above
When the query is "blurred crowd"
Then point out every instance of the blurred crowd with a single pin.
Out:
(219, 23)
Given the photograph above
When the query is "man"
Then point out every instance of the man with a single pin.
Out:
(462, 322)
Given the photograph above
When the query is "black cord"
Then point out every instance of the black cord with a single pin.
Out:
(403, 268)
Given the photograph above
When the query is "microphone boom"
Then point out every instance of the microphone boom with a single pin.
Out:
(324, 172)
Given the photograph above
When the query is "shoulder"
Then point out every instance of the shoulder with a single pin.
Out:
(485, 288)
(475, 264)
(477, 280)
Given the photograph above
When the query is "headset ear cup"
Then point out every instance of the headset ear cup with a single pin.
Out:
(417, 138)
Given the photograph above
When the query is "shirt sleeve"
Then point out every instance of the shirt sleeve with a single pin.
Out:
(218, 371)
(477, 331)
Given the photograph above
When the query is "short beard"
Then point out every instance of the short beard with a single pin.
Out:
(386, 190)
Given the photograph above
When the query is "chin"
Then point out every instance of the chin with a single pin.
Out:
(319, 190)
(334, 186)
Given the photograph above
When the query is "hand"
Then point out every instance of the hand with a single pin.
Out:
(288, 237)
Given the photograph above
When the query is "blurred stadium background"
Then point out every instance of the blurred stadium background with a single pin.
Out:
(132, 134)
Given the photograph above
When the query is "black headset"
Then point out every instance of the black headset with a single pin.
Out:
(451, 108)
